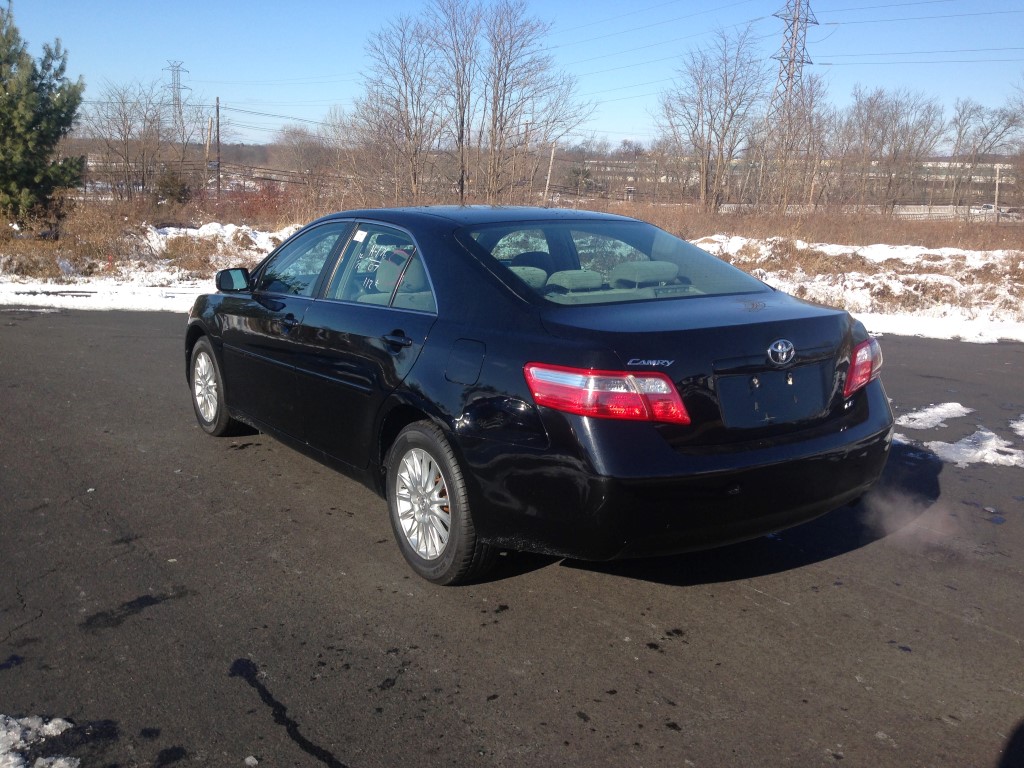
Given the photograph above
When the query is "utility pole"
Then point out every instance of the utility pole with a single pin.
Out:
(206, 159)
(996, 201)
(218, 149)
(547, 183)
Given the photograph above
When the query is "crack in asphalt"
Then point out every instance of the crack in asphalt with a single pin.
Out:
(248, 671)
(19, 598)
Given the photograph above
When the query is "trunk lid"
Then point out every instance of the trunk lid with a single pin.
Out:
(747, 366)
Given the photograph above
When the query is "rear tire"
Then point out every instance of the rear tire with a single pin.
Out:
(429, 508)
(207, 386)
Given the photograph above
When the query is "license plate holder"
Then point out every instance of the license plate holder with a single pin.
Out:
(767, 397)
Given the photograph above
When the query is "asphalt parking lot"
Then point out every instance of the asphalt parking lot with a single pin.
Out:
(186, 600)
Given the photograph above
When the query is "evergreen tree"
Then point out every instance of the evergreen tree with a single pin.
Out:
(38, 106)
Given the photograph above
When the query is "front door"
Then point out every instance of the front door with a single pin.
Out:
(260, 327)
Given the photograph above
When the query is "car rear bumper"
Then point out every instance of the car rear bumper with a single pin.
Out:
(561, 507)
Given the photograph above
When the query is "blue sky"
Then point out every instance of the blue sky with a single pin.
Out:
(298, 59)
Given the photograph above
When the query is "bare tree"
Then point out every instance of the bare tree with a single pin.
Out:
(455, 28)
(130, 123)
(463, 95)
(709, 111)
(914, 127)
(526, 98)
(401, 106)
(790, 147)
(817, 121)
(976, 132)
(884, 139)
(312, 161)
(185, 139)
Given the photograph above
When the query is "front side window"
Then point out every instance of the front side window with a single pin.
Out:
(296, 267)
(600, 261)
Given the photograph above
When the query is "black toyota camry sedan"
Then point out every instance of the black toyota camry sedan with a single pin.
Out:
(565, 382)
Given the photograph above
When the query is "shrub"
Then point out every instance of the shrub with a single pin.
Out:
(193, 255)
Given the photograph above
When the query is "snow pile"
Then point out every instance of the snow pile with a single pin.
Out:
(943, 293)
(19, 735)
(232, 241)
(906, 290)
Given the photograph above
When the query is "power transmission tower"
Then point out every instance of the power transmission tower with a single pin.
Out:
(781, 133)
(175, 68)
(797, 16)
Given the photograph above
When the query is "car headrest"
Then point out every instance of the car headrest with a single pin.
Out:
(638, 274)
(538, 259)
(535, 277)
(415, 278)
(573, 280)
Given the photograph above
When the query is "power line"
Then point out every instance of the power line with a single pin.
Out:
(933, 61)
(887, 5)
(920, 18)
(272, 115)
(607, 55)
(922, 53)
(661, 23)
(632, 13)
(309, 80)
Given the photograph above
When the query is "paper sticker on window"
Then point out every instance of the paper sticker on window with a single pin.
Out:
(360, 235)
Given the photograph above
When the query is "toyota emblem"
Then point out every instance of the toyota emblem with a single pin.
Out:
(781, 352)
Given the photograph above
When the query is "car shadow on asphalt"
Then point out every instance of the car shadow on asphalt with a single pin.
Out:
(1013, 752)
(908, 487)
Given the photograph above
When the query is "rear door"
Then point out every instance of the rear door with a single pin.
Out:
(361, 339)
(259, 328)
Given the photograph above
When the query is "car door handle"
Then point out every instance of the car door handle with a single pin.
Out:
(397, 339)
(288, 322)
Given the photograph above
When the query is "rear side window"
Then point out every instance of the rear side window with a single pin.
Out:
(382, 266)
(597, 262)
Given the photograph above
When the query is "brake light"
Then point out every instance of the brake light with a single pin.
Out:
(606, 394)
(865, 363)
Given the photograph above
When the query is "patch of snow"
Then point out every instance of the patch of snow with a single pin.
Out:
(18, 735)
(107, 293)
(933, 416)
(983, 447)
(953, 326)
(1018, 426)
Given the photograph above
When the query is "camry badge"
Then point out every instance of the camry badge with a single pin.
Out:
(651, 363)
(781, 352)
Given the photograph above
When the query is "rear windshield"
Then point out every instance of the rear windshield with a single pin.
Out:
(599, 262)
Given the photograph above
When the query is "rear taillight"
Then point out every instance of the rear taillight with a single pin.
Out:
(606, 394)
(864, 366)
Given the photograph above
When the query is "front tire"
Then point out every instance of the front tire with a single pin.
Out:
(429, 508)
(207, 386)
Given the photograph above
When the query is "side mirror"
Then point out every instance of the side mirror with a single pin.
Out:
(233, 280)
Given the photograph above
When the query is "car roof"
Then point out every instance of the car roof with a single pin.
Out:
(466, 215)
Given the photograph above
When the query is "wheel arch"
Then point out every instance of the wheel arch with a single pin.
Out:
(400, 415)
(193, 334)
